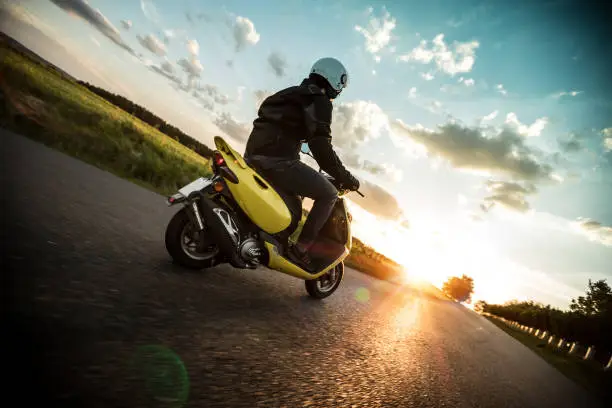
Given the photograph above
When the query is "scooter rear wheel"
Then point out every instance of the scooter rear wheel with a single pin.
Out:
(327, 284)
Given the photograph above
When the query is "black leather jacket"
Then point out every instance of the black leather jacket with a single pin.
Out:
(292, 116)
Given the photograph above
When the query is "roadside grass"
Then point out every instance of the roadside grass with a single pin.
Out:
(45, 106)
(589, 374)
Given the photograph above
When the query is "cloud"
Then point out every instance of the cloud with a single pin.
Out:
(535, 129)
(378, 201)
(388, 171)
(244, 33)
(500, 89)
(94, 17)
(469, 148)
(278, 63)
(164, 71)
(260, 95)
(233, 128)
(355, 123)
(490, 116)
(559, 95)
(595, 231)
(572, 144)
(127, 24)
(153, 44)
(469, 82)
(509, 195)
(192, 66)
(428, 76)
(607, 141)
(214, 92)
(460, 58)
(167, 66)
(193, 47)
(149, 10)
(412, 93)
(378, 33)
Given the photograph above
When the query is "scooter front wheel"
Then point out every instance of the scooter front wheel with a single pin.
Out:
(327, 284)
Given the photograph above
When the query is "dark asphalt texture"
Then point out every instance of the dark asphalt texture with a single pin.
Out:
(89, 284)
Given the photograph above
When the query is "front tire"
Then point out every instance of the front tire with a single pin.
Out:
(327, 284)
(198, 252)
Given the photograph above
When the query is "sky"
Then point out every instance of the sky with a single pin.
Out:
(481, 131)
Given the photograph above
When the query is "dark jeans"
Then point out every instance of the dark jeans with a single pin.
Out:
(294, 178)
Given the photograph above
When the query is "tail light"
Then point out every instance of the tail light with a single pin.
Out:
(218, 158)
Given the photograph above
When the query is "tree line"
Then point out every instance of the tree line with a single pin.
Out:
(150, 118)
(588, 320)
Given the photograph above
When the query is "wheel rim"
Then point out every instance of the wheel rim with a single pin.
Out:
(328, 281)
(196, 244)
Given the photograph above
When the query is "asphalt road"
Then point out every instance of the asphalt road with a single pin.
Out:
(91, 291)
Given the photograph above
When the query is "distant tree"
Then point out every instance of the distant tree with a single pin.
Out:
(596, 302)
(480, 306)
(460, 289)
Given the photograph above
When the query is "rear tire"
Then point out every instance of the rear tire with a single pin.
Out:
(179, 229)
(327, 284)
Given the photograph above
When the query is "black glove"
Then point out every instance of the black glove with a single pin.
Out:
(351, 183)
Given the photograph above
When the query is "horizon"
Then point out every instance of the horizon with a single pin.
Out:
(512, 150)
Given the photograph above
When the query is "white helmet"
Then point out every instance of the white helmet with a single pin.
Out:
(333, 72)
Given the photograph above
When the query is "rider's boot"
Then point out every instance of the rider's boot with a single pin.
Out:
(298, 254)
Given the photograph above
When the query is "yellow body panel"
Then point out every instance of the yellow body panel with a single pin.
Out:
(281, 264)
(260, 202)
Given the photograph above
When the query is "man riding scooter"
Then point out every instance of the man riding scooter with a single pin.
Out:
(290, 117)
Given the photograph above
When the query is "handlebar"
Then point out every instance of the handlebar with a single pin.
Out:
(341, 190)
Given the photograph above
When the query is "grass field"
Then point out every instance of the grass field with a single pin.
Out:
(588, 374)
(43, 105)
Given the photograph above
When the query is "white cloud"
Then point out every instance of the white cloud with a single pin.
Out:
(566, 93)
(412, 93)
(471, 149)
(460, 58)
(355, 123)
(244, 33)
(378, 201)
(214, 92)
(233, 128)
(500, 89)
(260, 95)
(127, 24)
(594, 230)
(153, 44)
(277, 62)
(428, 76)
(378, 33)
(240, 93)
(491, 115)
(535, 129)
(94, 17)
(607, 141)
(469, 82)
(510, 195)
(192, 66)
(193, 47)
(352, 160)
(149, 10)
(167, 66)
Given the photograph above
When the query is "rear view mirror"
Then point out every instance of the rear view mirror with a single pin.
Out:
(305, 148)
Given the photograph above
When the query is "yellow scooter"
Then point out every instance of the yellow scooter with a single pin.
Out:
(235, 216)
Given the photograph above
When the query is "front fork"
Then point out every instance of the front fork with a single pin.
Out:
(194, 214)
